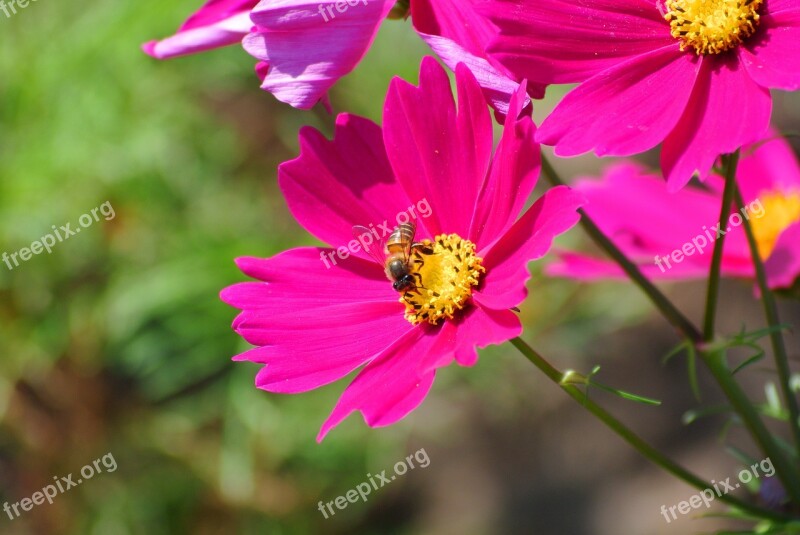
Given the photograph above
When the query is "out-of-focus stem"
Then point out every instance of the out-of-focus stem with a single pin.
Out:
(632, 438)
(776, 336)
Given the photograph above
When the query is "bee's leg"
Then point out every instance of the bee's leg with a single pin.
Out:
(426, 249)
(419, 277)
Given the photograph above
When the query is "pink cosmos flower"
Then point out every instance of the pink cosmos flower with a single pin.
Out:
(458, 34)
(318, 314)
(303, 47)
(671, 236)
(693, 74)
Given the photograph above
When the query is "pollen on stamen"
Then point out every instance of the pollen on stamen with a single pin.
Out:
(712, 26)
(446, 271)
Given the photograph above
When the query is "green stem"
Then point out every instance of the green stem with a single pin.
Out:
(712, 295)
(715, 360)
(680, 322)
(632, 438)
(771, 313)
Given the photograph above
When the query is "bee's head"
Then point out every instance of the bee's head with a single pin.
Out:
(406, 282)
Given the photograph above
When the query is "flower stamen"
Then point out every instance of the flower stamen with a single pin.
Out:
(445, 270)
(712, 26)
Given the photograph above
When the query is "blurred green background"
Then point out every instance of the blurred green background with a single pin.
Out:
(117, 341)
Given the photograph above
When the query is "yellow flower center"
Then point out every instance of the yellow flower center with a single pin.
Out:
(712, 26)
(448, 269)
(779, 213)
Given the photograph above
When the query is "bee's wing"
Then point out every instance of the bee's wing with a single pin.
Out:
(377, 249)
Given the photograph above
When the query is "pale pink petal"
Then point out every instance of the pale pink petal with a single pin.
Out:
(783, 265)
(336, 184)
(497, 86)
(528, 239)
(727, 110)
(515, 170)
(390, 387)
(772, 56)
(218, 23)
(564, 41)
(455, 31)
(619, 112)
(438, 151)
(307, 47)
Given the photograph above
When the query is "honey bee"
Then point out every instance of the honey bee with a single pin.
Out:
(394, 255)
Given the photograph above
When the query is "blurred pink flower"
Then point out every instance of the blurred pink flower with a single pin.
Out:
(671, 236)
(693, 74)
(322, 313)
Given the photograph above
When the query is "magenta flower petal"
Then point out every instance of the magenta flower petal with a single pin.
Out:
(426, 136)
(479, 327)
(528, 239)
(617, 113)
(772, 58)
(708, 128)
(218, 23)
(307, 349)
(336, 184)
(783, 265)
(302, 310)
(299, 277)
(563, 41)
(779, 6)
(308, 48)
(394, 375)
(515, 170)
